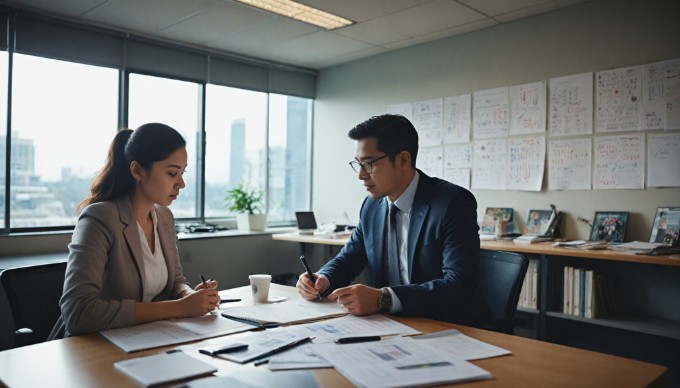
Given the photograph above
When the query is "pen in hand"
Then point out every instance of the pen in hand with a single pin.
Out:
(205, 284)
(310, 275)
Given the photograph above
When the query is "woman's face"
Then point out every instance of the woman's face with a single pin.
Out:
(162, 183)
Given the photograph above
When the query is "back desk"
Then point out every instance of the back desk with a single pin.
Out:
(87, 361)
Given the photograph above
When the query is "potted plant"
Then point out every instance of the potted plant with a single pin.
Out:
(247, 201)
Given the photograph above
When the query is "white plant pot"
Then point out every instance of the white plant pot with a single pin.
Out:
(251, 222)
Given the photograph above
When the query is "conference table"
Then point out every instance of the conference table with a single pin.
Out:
(87, 361)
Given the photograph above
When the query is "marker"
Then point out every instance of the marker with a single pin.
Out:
(354, 340)
(310, 275)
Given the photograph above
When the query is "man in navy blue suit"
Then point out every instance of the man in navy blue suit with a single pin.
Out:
(421, 260)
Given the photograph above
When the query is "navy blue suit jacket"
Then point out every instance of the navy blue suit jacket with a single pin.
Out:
(443, 247)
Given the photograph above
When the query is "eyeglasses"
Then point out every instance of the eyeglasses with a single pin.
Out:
(367, 165)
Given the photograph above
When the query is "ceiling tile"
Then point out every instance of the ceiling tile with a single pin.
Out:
(538, 9)
(428, 18)
(370, 32)
(349, 57)
(313, 48)
(362, 10)
(496, 7)
(263, 35)
(214, 24)
(147, 16)
(59, 7)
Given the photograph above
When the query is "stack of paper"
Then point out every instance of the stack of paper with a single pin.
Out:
(580, 244)
(645, 248)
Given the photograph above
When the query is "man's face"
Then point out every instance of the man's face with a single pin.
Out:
(386, 176)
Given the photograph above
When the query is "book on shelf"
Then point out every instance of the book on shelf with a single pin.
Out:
(576, 293)
(588, 293)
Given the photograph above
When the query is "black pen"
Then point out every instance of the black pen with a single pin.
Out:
(204, 283)
(354, 340)
(261, 359)
(229, 300)
(310, 274)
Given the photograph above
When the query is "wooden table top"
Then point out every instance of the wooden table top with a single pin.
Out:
(87, 361)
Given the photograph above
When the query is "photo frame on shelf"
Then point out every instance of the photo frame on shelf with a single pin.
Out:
(490, 216)
(538, 221)
(609, 226)
(666, 226)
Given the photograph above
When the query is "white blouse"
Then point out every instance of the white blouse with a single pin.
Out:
(155, 270)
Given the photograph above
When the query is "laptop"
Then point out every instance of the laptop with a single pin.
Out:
(306, 222)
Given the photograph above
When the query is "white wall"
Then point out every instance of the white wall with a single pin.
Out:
(588, 37)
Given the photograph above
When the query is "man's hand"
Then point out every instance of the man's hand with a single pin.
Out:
(309, 290)
(357, 299)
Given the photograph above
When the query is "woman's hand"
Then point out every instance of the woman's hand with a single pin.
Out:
(200, 302)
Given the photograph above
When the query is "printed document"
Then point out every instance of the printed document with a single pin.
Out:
(458, 345)
(290, 311)
(398, 362)
(170, 332)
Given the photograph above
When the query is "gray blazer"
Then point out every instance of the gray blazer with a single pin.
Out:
(105, 268)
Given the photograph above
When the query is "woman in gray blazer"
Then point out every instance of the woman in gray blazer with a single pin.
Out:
(123, 268)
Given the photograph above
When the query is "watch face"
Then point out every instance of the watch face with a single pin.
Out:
(385, 301)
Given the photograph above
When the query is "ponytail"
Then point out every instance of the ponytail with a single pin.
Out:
(114, 179)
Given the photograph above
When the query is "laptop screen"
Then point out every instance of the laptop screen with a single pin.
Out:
(305, 220)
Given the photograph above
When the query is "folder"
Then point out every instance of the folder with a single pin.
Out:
(163, 367)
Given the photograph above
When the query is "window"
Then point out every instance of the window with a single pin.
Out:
(3, 134)
(289, 160)
(64, 116)
(174, 103)
(235, 152)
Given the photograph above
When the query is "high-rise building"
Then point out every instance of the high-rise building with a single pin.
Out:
(237, 152)
(296, 161)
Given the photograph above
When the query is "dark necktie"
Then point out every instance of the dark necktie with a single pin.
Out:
(393, 275)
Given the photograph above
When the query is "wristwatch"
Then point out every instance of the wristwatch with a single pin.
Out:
(385, 300)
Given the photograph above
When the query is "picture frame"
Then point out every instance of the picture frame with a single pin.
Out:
(666, 226)
(538, 222)
(609, 226)
(490, 215)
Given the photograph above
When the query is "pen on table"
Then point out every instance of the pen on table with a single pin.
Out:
(264, 358)
(230, 300)
(354, 340)
(310, 274)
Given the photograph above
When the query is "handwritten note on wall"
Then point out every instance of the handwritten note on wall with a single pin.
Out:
(571, 105)
(459, 176)
(527, 108)
(661, 95)
(619, 162)
(491, 113)
(526, 163)
(488, 165)
(405, 109)
(430, 161)
(457, 119)
(663, 160)
(569, 164)
(618, 93)
(458, 156)
(427, 118)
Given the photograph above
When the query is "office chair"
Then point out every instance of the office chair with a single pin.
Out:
(500, 281)
(33, 294)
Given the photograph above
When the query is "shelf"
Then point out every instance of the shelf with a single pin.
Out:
(667, 328)
(546, 248)
(527, 310)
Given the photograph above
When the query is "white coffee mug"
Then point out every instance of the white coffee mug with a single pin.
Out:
(260, 286)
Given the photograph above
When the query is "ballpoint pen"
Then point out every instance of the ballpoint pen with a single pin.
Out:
(310, 274)
(354, 340)
(264, 358)
(204, 282)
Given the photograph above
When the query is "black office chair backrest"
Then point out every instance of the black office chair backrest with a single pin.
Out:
(33, 294)
(500, 280)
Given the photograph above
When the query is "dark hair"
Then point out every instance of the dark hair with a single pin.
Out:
(394, 133)
(147, 144)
